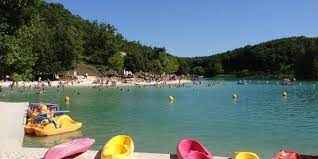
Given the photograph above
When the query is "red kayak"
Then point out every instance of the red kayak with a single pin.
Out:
(70, 149)
(192, 149)
(287, 154)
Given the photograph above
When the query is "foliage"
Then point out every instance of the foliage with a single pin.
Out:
(117, 61)
(214, 68)
(16, 13)
(198, 70)
(20, 56)
(40, 39)
(286, 57)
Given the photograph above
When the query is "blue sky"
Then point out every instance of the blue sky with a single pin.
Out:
(202, 27)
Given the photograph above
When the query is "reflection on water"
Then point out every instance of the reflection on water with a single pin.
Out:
(50, 141)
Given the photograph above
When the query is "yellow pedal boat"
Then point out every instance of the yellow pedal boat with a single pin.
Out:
(29, 128)
(64, 123)
(118, 147)
(246, 155)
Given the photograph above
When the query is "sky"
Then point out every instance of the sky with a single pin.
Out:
(202, 27)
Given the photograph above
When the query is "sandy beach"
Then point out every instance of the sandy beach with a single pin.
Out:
(92, 83)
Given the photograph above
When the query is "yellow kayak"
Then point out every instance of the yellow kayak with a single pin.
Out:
(64, 123)
(118, 147)
(246, 155)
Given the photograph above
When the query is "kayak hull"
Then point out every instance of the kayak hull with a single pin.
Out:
(28, 128)
(64, 124)
(192, 149)
(287, 154)
(69, 149)
(118, 147)
(246, 155)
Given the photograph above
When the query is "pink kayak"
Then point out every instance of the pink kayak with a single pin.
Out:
(70, 149)
(192, 149)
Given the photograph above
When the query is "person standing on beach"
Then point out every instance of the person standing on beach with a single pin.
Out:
(49, 82)
(7, 78)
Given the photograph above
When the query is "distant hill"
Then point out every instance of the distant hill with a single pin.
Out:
(286, 57)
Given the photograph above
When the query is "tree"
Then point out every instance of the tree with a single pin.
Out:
(67, 46)
(101, 42)
(117, 61)
(315, 68)
(169, 64)
(20, 56)
(2, 55)
(172, 66)
(198, 70)
(16, 13)
(156, 67)
(184, 67)
(286, 71)
(38, 38)
(213, 68)
(47, 63)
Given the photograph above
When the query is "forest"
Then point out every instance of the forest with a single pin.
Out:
(293, 57)
(38, 38)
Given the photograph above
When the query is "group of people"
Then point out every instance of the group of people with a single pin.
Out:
(41, 114)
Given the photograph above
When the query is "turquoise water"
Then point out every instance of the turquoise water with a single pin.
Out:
(261, 120)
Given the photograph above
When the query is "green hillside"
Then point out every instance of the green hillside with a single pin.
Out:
(40, 39)
(286, 57)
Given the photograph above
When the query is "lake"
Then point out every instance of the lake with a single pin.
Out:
(260, 120)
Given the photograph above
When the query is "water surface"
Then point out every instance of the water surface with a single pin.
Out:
(261, 120)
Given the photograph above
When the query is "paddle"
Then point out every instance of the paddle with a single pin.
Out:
(61, 112)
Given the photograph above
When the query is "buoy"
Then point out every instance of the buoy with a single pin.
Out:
(172, 99)
(284, 94)
(234, 96)
(67, 99)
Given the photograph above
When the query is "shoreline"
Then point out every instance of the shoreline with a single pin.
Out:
(91, 83)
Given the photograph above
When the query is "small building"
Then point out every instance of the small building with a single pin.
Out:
(128, 73)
